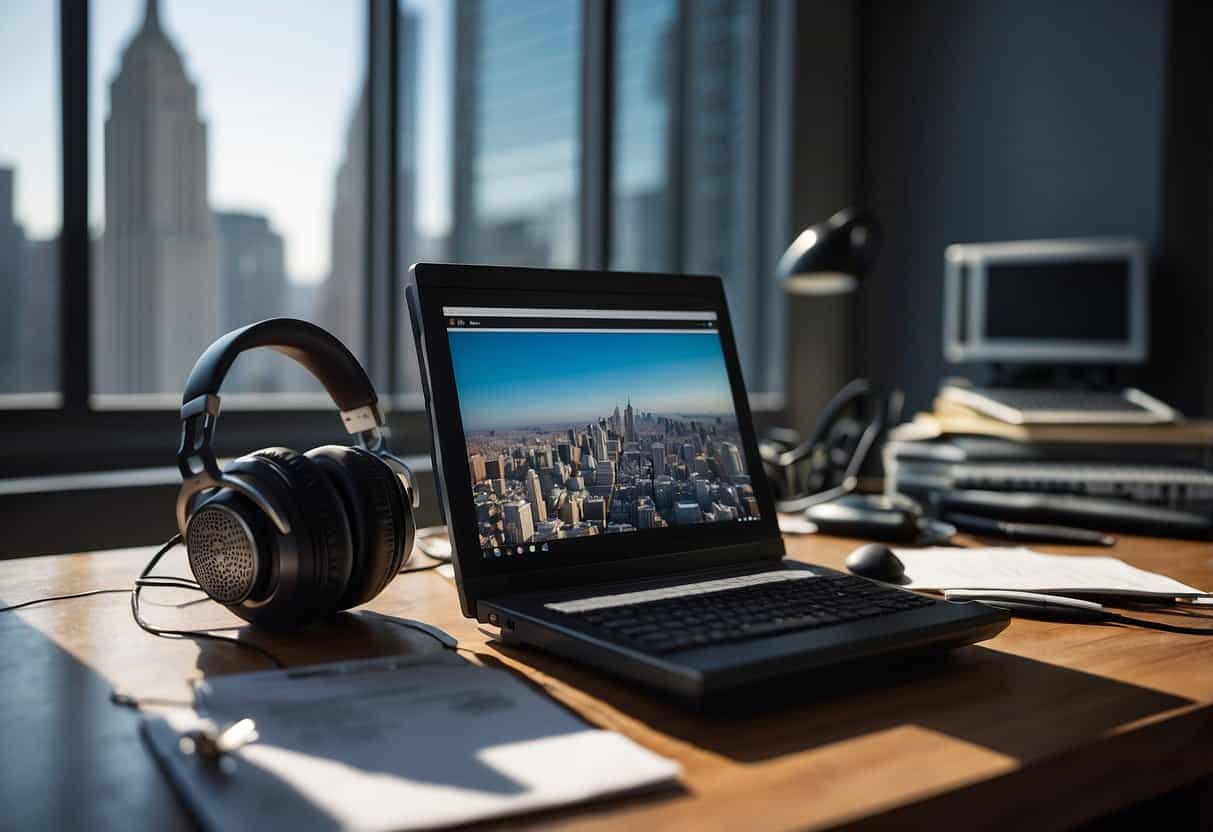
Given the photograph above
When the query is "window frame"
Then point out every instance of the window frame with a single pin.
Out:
(74, 430)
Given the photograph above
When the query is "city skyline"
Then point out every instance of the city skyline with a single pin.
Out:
(626, 470)
(490, 139)
(671, 373)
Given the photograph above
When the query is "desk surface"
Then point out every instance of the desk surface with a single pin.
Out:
(1045, 726)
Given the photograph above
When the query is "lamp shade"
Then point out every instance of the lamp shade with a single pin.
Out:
(832, 256)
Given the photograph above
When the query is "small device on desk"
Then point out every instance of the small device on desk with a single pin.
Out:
(600, 471)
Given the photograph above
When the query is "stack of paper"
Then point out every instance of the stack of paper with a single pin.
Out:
(379, 744)
(1023, 569)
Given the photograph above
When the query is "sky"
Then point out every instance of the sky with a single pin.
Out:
(276, 108)
(520, 378)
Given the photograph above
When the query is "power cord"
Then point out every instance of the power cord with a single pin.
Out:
(172, 582)
(50, 598)
(1116, 618)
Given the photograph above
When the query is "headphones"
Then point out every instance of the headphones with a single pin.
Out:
(282, 538)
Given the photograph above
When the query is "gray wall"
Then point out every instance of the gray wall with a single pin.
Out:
(999, 120)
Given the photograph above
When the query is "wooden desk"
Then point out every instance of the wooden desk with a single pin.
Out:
(1046, 726)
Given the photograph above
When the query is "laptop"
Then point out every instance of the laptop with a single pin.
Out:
(597, 464)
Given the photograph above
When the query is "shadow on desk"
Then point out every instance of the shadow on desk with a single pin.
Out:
(74, 759)
(997, 700)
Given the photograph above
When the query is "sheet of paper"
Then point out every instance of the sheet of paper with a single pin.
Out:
(1023, 569)
(395, 744)
(796, 524)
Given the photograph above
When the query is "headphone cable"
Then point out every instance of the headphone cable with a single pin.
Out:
(145, 579)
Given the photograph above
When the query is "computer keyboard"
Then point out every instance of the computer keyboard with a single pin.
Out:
(701, 619)
(1077, 401)
(1052, 406)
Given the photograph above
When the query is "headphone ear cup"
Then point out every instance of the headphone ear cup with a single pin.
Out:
(380, 518)
(229, 552)
(318, 553)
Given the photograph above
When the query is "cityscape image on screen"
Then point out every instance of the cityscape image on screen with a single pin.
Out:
(573, 434)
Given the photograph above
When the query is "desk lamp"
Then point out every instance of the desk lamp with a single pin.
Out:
(820, 272)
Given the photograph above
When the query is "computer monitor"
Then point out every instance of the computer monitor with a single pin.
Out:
(1060, 302)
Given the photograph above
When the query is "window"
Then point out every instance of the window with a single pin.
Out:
(684, 188)
(30, 212)
(645, 153)
(228, 183)
(223, 163)
(516, 124)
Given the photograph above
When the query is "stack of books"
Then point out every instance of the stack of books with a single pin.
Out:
(958, 449)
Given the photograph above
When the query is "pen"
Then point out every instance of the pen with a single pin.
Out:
(1030, 603)
(1028, 532)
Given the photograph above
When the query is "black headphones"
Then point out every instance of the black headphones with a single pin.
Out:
(282, 538)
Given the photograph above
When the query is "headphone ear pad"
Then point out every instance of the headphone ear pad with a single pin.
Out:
(380, 518)
(320, 529)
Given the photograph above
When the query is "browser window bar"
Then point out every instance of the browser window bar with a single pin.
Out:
(612, 314)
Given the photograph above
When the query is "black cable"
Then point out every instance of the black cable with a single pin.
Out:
(60, 598)
(1159, 625)
(177, 583)
(426, 568)
(144, 580)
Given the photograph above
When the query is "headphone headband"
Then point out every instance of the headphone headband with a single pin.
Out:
(321, 353)
(324, 356)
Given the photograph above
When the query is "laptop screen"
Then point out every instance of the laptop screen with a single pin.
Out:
(580, 423)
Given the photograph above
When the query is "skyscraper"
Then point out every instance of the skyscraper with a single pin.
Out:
(629, 423)
(156, 298)
(495, 467)
(14, 286)
(410, 248)
(687, 512)
(476, 464)
(40, 327)
(253, 273)
(341, 301)
(658, 459)
(718, 117)
(535, 495)
(595, 511)
(731, 458)
(516, 124)
(519, 524)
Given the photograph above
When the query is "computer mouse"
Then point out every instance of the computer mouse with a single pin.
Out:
(877, 561)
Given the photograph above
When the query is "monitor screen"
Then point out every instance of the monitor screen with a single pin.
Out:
(580, 423)
(1065, 301)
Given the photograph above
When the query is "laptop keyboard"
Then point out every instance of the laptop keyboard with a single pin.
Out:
(762, 609)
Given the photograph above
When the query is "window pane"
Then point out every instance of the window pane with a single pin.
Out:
(721, 202)
(228, 182)
(425, 88)
(685, 112)
(517, 117)
(30, 192)
(645, 76)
